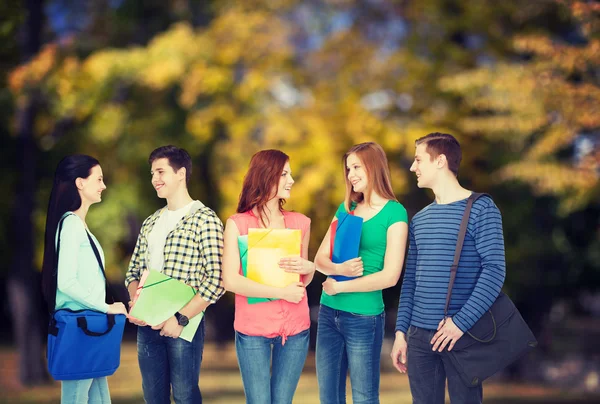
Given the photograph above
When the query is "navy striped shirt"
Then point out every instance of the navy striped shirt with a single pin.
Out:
(433, 233)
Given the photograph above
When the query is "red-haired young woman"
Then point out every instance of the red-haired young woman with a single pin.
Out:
(351, 317)
(271, 337)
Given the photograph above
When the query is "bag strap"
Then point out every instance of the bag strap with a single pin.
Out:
(459, 244)
(82, 323)
(51, 307)
(109, 292)
(109, 298)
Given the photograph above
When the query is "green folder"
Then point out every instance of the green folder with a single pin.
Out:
(243, 245)
(160, 297)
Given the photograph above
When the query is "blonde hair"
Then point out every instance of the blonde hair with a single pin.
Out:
(376, 167)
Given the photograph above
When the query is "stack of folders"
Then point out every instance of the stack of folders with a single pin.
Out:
(159, 297)
(260, 252)
(345, 240)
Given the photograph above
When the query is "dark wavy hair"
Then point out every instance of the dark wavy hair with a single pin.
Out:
(262, 177)
(64, 197)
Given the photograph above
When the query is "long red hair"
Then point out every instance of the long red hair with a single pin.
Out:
(261, 180)
(376, 166)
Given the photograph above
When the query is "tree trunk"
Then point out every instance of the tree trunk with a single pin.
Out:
(24, 286)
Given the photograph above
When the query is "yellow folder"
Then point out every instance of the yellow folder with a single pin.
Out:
(265, 248)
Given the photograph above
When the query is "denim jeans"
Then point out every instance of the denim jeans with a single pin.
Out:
(428, 371)
(256, 355)
(166, 362)
(90, 391)
(348, 341)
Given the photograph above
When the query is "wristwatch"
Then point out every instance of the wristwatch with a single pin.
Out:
(181, 319)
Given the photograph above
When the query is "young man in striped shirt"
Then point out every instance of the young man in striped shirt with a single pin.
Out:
(420, 326)
(183, 240)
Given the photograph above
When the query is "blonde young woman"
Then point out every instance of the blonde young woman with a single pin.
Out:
(351, 317)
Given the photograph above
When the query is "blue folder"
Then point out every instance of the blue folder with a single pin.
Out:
(347, 241)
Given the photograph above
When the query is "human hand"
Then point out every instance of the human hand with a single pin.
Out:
(448, 333)
(134, 320)
(352, 268)
(117, 308)
(330, 286)
(297, 265)
(293, 292)
(399, 352)
(169, 328)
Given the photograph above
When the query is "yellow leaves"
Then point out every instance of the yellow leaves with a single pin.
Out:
(280, 129)
(105, 65)
(362, 125)
(204, 80)
(568, 58)
(506, 99)
(554, 139)
(261, 38)
(254, 83)
(169, 55)
(579, 103)
(163, 74)
(588, 14)
(572, 184)
(108, 123)
(34, 71)
(549, 178)
(201, 123)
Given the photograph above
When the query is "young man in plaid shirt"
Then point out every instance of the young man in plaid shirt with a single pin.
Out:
(183, 240)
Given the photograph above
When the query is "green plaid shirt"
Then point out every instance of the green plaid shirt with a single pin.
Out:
(192, 253)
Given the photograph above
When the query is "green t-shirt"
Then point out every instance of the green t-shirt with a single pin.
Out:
(373, 242)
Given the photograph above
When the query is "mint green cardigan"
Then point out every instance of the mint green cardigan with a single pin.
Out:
(80, 283)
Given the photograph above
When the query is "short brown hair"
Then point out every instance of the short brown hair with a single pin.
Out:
(378, 173)
(177, 158)
(443, 143)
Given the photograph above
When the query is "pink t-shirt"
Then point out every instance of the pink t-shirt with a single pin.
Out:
(277, 317)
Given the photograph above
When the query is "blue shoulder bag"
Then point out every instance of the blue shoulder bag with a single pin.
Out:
(84, 344)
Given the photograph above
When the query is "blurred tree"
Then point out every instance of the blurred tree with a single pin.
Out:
(23, 285)
(314, 77)
(536, 121)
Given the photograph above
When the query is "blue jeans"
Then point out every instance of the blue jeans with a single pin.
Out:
(90, 391)
(348, 341)
(166, 362)
(254, 359)
(428, 371)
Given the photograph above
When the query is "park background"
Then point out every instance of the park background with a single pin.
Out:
(517, 82)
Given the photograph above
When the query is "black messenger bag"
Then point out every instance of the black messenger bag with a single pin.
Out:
(497, 339)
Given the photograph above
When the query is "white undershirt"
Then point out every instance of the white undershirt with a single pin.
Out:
(158, 236)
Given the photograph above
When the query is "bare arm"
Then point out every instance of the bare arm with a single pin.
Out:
(392, 267)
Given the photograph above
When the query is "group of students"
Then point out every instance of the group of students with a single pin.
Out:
(185, 240)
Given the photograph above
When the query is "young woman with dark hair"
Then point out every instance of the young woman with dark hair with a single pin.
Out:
(351, 317)
(77, 283)
(271, 337)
